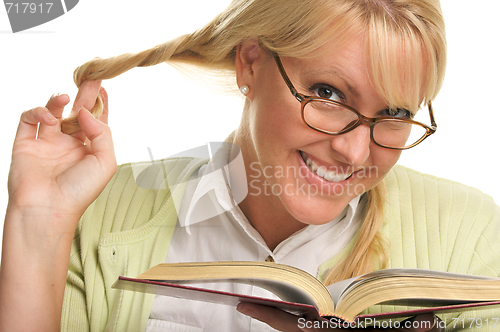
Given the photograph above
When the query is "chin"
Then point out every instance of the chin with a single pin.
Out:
(312, 199)
(313, 209)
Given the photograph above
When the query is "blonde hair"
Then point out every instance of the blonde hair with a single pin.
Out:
(406, 47)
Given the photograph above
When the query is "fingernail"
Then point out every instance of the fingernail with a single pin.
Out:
(435, 322)
(247, 311)
(83, 109)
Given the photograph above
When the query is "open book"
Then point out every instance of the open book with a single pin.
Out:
(301, 293)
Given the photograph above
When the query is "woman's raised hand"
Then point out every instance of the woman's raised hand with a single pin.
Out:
(53, 178)
(61, 173)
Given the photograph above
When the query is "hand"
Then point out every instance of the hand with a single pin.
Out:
(61, 174)
(287, 322)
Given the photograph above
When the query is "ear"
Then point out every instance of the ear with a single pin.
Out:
(248, 54)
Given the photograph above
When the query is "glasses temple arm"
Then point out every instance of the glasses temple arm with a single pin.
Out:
(431, 114)
(285, 78)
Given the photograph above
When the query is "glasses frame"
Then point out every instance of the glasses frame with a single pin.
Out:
(370, 122)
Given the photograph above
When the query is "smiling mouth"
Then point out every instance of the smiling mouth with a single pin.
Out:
(321, 171)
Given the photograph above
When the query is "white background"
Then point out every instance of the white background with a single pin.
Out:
(152, 106)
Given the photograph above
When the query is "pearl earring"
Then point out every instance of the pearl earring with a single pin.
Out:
(244, 89)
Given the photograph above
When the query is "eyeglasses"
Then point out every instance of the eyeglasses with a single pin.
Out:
(335, 118)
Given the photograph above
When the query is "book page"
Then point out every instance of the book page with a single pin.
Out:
(337, 289)
(390, 273)
(404, 281)
(284, 291)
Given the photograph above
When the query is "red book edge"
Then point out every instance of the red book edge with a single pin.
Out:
(302, 310)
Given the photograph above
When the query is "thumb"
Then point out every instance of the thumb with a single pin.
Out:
(99, 135)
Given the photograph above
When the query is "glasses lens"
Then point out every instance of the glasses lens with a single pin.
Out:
(396, 134)
(329, 117)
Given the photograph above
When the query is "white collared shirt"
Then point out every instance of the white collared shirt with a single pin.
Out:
(212, 228)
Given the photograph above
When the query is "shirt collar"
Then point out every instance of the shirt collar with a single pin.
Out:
(216, 188)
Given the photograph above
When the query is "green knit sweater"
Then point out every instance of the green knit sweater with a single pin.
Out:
(430, 223)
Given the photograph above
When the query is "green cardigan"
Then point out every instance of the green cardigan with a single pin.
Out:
(430, 223)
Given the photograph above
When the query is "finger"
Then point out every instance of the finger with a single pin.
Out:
(276, 318)
(99, 135)
(105, 109)
(86, 97)
(104, 116)
(439, 325)
(87, 94)
(55, 105)
(28, 125)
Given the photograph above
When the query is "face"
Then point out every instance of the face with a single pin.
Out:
(310, 175)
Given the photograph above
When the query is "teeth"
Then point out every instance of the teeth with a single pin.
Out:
(333, 177)
(321, 171)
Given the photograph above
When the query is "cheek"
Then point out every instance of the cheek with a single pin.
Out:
(384, 159)
(276, 124)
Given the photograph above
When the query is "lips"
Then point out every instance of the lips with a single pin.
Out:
(332, 174)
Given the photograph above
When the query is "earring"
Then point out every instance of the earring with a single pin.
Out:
(244, 89)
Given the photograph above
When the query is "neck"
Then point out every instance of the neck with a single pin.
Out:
(268, 216)
(265, 212)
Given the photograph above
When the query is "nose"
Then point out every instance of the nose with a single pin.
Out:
(354, 146)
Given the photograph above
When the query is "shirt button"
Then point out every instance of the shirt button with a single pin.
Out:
(269, 259)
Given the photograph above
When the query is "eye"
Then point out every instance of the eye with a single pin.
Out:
(399, 113)
(326, 91)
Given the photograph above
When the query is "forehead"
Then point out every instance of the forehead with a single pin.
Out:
(395, 65)
(398, 79)
(347, 62)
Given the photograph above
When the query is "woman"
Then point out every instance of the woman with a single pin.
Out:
(371, 60)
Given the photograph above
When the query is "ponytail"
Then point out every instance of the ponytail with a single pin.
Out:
(102, 69)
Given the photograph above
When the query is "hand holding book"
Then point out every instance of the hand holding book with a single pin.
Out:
(283, 321)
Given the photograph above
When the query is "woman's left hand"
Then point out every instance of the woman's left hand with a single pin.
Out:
(286, 322)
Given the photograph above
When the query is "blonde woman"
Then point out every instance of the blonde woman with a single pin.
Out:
(332, 89)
